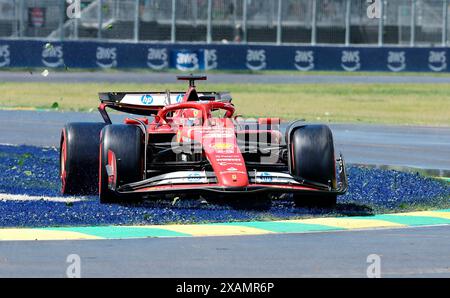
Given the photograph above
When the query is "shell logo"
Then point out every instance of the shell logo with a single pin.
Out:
(222, 146)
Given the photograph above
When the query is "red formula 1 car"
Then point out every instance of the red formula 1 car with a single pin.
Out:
(191, 143)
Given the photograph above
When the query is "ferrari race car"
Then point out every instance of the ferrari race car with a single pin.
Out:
(192, 143)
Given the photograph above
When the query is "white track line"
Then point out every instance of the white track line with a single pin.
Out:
(20, 145)
(9, 197)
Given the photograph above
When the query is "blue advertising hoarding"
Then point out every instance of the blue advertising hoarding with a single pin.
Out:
(192, 57)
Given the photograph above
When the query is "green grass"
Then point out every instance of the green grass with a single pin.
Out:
(407, 104)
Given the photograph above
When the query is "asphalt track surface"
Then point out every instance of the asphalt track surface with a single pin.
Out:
(404, 146)
(411, 252)
(165, 78)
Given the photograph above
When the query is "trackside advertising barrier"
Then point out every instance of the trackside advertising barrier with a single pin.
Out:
(191, 57)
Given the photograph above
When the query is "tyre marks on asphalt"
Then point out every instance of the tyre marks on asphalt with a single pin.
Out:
(402, 220)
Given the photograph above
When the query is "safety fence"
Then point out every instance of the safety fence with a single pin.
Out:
(343, 22)
(193, 57)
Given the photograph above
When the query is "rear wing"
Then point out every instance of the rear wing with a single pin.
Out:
(149, 103)
(152, 100)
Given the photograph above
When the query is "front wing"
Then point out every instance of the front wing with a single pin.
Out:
(204, 182)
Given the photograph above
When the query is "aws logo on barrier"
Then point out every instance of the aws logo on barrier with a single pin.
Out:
(53, 55)
(192, 60)
(437, 61)
(304, 60)
(210, 59)
(187, 61)
(106, 57)
(396, 61)
(256, 59)
(157, 59)
(350, 60)
(4, 56)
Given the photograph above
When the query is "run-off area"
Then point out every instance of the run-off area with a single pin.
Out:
(30, 197)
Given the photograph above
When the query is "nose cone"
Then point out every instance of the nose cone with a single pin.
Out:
(233, 179)
(223, 153)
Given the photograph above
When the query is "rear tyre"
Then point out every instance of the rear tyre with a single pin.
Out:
(78, 157)
(121, 145)
(313, 159)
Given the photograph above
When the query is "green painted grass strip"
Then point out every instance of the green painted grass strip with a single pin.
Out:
(285, 227)
(115, 232)
(413, 220)
(443, 210)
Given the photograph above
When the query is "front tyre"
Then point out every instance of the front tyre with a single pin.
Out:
(121, 153)
(312, 158)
